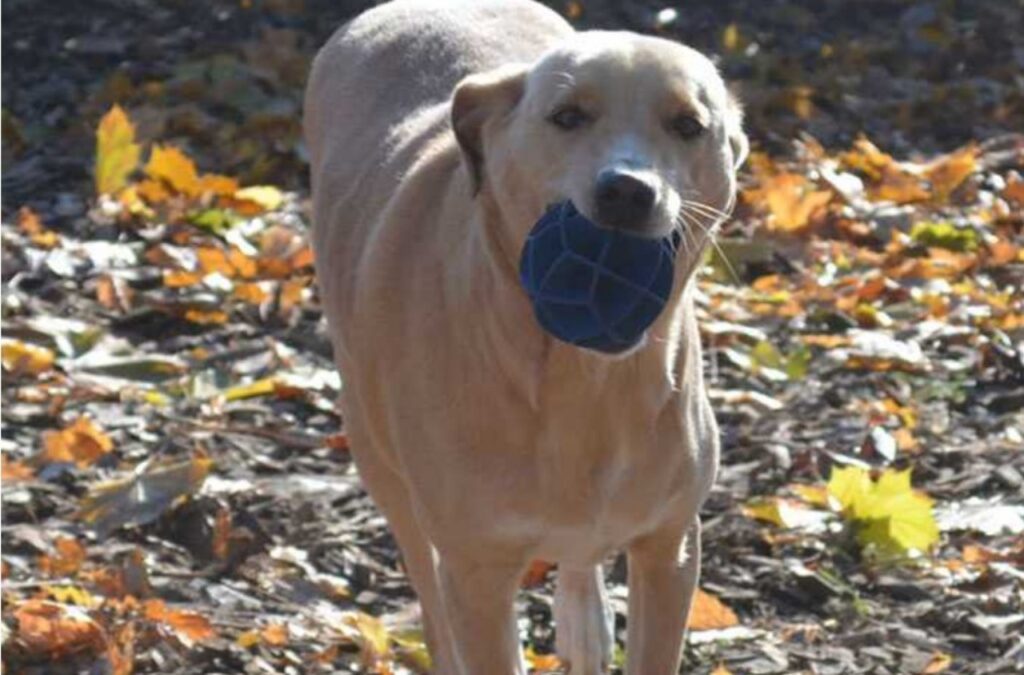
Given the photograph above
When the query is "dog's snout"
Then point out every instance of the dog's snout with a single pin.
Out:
(623, 198)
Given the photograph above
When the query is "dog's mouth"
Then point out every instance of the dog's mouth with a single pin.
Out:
(594, 287)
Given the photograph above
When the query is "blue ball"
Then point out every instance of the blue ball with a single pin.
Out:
(595, 287)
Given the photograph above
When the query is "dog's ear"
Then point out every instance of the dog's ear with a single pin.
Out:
(734, 129)
(479, 99)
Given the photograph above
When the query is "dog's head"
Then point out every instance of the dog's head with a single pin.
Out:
(639, 132)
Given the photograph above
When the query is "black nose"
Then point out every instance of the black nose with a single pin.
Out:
(623, 199)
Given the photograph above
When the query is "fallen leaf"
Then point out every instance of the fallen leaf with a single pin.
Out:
(939, 663)
(31, 225)
(143, 496)
(82, 443)
(948, 172)
(792, 201)
(51, 631)
(371, 635)
(710, 613)
(536, 574)
(171, 165)
(117, 153)
(788, 513)
(260, 197)
(22, 358)
(189, 627)
(264, 387)
(13, 471)
(542, 663)
(720, 669)
(275, 635)
(66, 559)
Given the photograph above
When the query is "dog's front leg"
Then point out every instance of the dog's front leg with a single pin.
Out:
(663, 572)
(479, 601)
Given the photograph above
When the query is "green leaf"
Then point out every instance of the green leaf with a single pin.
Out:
(945, 235)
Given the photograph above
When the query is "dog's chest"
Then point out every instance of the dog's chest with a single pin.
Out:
(611, 469)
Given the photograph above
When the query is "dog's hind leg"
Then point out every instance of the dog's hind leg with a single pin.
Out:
(392, 498)
(583, 621)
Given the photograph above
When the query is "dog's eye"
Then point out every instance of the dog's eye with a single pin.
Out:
(687, 126)
(569, 117)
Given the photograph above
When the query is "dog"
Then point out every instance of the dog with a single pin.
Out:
(438, 133)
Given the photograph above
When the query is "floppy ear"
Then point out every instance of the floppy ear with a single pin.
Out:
(478, 99)
(734, 128)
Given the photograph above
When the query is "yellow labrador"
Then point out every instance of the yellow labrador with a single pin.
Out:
(438, 134)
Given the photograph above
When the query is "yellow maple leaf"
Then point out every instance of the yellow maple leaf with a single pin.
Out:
(21, 357)
(171, 165)
(117, 153)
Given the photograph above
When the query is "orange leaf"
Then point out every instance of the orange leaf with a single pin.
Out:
(181, 278)
(216, 184)
(1002, 252)
(275, 635)
(188, 626)
(899, 186)
(206, 316)
(13, 472)
(213, 259)
(82, 443)
(1014, 190)
(535, 575)
(66, 560)
(30, 225)
(948, 172)
(117, 153)
(709, 613)
(337, 442)
(244, 266)
(171, 165)
(250, 292)
(720, 669)
(938, 663)
(51, 630)
(792, 201)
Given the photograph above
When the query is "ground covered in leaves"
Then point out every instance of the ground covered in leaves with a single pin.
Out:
(177, 493)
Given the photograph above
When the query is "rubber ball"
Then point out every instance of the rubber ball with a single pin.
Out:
(595, 287)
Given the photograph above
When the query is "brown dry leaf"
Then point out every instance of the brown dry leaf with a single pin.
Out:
(143, 495)
(117, 153)
(22, 358)
(50, 630)
(709, 613)
(245, 267)
(535, 575)
(188, 626)
(221, 536)
(171, 165)
(121, 650)
(83, 442)
(66, 559)
(899, 186)
(792, 200)
(275, 635)
(866, 158)
(1014, 190)
(13, 471)
(206, 317)
(1002, 252)
(947, 173)
(337, 442)
(114, 293)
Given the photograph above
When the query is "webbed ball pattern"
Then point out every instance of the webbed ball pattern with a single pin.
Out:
(595, 287)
